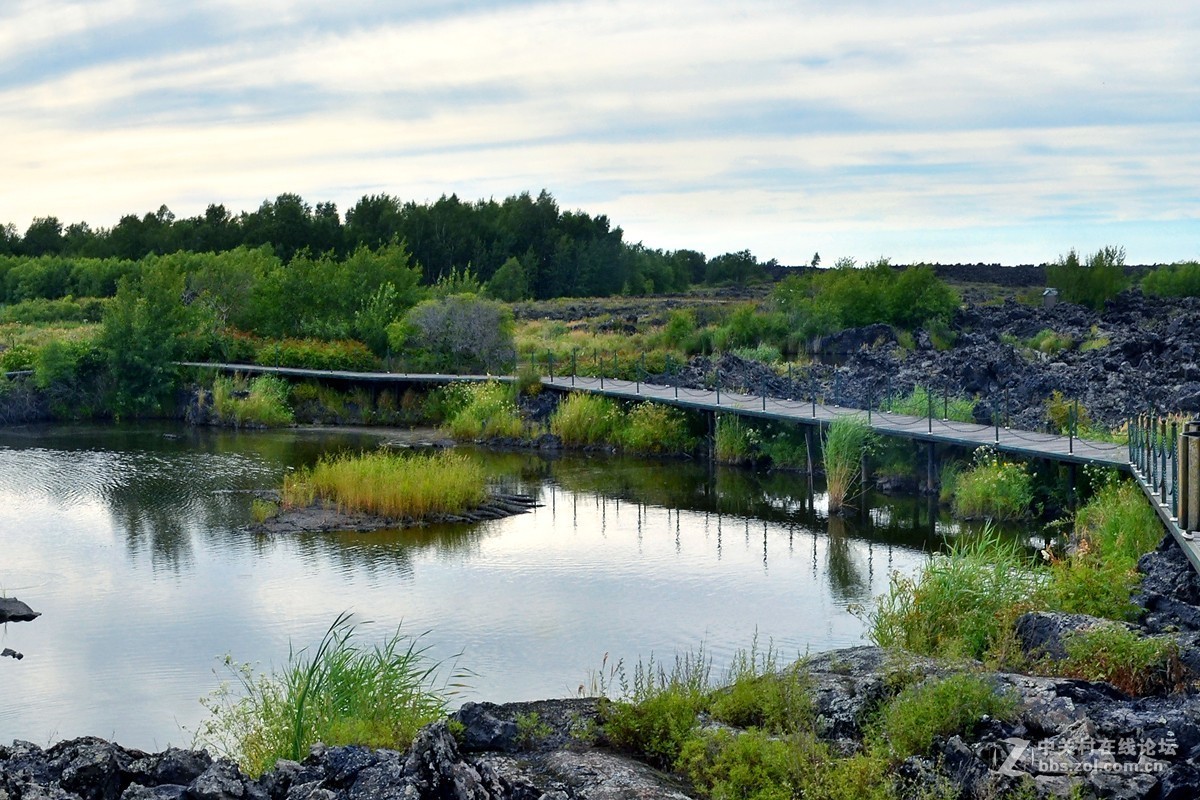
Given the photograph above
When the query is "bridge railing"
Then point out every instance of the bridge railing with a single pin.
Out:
(1154, 454)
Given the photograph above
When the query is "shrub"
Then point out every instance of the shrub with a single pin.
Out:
(460, 333)
(340, 693)
(658, 712)
(584, 420)
(1135, 664)
(1059, 411)
(485, 411)
(390, 484)
(1091, 282)
(344, 354)
(961, 604)
(1050, 342)
(17, 358)
(785, 445)
(653, 428)
(843, 445)
(993, 489)
(940, 707)
(1176, 280)
(264, 402)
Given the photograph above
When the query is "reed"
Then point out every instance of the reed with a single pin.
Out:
(845, 440)
(487, 411)
(261, 402)
(584, 420)
(390, 484)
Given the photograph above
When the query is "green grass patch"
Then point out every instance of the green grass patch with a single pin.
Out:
(735, 440)
(656, 429)
(994, 488)
(390, 484)
(261, 402)
(1050, 342)
(939, 707)
(842, 447)
(962, 603)
(919, 403)
(341, 692)
(1137, 665)
(482, 411)
(584, 420)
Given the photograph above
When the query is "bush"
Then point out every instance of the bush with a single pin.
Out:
(1176, 280)
(735, 441)
(1137, 665)
(658, 712)
(341, 693)
(344, 354)
(993, 489)
(264, 402)
(482, 411)
(918, 403)
(1091, 282)
(653, 428)
(390, 484)
(940, 707)
(584, 420)
(461, 333)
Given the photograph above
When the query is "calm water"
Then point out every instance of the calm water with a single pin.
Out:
(129, 541)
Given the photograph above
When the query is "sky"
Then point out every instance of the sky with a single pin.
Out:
(955, 131)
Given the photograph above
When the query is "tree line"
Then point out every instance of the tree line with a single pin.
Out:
(524, 247)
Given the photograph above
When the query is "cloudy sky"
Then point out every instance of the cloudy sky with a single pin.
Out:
(955, 130)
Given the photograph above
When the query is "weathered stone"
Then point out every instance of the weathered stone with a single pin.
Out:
(163, 791)
(1042, 634)
(224, 781)
(13, 610)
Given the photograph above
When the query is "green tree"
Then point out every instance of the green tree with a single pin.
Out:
(141, 335)
(1090, 282)
(510, 282)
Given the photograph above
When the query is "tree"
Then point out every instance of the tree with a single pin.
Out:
(44, 236)
(460, 333)
(1091, 282)
(816, 260)
(509, 283)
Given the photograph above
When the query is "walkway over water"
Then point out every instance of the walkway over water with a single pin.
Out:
(1151, 456)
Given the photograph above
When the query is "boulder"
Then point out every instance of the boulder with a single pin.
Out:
(13, 610)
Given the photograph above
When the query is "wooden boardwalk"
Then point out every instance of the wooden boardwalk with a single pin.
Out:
(1155, 482)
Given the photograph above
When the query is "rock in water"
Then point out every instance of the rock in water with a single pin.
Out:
(13, 610)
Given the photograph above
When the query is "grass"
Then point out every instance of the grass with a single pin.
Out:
(735, 441)
(656, 429)
(341, 692)
(483, 411)
(993, 488)
(843, 445)
(262, 510)
(390, 484)
(263, 402)
(942, 707)
(962, 604)
(585, 420)
(1137, 665)
(918, 403)
(1050, 342)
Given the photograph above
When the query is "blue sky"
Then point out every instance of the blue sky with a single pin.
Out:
(935, 131)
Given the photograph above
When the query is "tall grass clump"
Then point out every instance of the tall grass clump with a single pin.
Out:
(484, 411)
(918, 403)
(993, 488)
(963, 602)
(341, 693)
(583, 420)
(843, 445)
(1137, 665)
(263, 402)
(1111, 532)
(735, 440)
(390, 484)
(656, 429)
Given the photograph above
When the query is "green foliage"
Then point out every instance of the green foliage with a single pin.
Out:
(340, 693)
(784, 445)
(842, 447)
(962, 602)
(918, 403)
(1176, 280)
(262, 510)
(67, 309)
(993, 488)
(261, 403)
(1050, 342)
(748, 329)
(760, 694)
(390, 484)
(1091, 282)
(344, 354)
(844, 297)
(939, 707)
(531, 729)
(736, 440)
(482, 411)
(585, 420)
(509, 283)
(680, 327)
(752, 765)
(1135, 664)
(17, 358)
(656, 429)
(657, 714)
(1059, 411)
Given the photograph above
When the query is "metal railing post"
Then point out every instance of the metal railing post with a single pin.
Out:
(1071, 432)
(929, 403)
(574, 367)
(1174, 469)
(1162, 492)
(550, 363)
(868, 403)
(812, 383)
(945, 403)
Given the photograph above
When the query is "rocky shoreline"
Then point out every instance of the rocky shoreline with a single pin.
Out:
(1068, 735)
